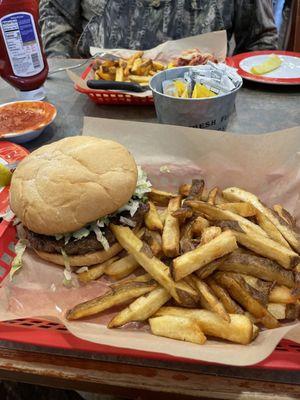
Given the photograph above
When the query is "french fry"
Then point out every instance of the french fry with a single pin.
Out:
(239, 290)
(119, 74)
(152, 219)
(283, 294)
(284, 311)
(242, 209)
(215, 213)
(211, 199)
(201, 256)
(144, 67)
(158, 66)
(260, 267)
(271, 229)
(153, 239)
(157, 269)
(95, 272)
(180, 328)
(209, 234)
(196, 189)
(182, 214)
(239, 330)
(136, 64)
(187, 245)
(131, 60)
(113, 298)
(184, 189)
(142, 308)
(188, 296)
(138, 54)
(121, 268)
(104, 75)
(284, 214)
(139, 79)
(186, 230)
(208, 299)
(160, 197)
(208, 269)
(122, 63)
(141, 278)
(199, 225)
(268, 248)
(162, 215)
(229, 304)
(171, 231)
(262, 288)
(285, 229)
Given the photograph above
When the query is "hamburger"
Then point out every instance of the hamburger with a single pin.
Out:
(65, 195)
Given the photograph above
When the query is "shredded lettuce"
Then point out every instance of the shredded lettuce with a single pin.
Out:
(143, 184)
(142, 188)
(67, 281)
(131, 206)
(17, 263)
(82, 233)
(8, 215)
(81, 269)
(128, 222)
(100, 235)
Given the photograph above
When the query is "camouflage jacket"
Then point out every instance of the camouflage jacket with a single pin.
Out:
(70, 27)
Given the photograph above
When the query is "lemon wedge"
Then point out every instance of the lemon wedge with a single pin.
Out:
(5, 176)
(272, 62)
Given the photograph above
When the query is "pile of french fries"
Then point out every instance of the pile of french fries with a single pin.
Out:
(134, 69)
(215, 263)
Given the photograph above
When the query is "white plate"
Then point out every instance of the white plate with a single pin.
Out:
(289, 69)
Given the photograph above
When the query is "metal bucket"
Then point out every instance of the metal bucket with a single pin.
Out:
(205, 113)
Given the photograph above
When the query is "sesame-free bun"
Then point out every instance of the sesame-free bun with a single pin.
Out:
(96, 257)
(63, 186)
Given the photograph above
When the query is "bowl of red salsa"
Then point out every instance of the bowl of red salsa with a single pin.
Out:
(22, 121)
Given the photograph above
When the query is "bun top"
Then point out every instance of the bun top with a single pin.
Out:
(63, 186)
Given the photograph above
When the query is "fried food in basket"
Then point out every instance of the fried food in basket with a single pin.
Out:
(192, 57)
(133, 69)
(175, 327)
(113, 298)
(214, 264)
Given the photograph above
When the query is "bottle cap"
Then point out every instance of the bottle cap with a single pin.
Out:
(37, 94)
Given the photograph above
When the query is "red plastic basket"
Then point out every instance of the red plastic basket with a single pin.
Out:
(111, 97)
(50, 334)
(32, 331)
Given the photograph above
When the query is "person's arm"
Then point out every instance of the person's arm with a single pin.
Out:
(254, 26)
(57, 34)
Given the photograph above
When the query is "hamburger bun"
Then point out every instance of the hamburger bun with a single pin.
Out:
(61, 187)
(87, 259)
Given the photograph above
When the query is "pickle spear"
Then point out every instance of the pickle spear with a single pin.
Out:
(272, 62)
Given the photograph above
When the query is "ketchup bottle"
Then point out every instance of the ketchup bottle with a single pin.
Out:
(22, 61)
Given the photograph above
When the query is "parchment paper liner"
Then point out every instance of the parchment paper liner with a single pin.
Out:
(267, 164)
(212, 42)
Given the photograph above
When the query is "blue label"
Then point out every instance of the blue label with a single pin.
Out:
(22, 44)
(25, 26)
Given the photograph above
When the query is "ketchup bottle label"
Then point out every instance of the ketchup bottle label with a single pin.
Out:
(22, 44)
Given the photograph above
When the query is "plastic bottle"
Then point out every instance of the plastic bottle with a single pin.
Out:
(22, 61)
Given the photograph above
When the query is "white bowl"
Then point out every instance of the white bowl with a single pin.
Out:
(30, 134)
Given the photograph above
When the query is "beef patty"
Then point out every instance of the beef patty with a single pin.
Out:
(88, 244)
(74, 247)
